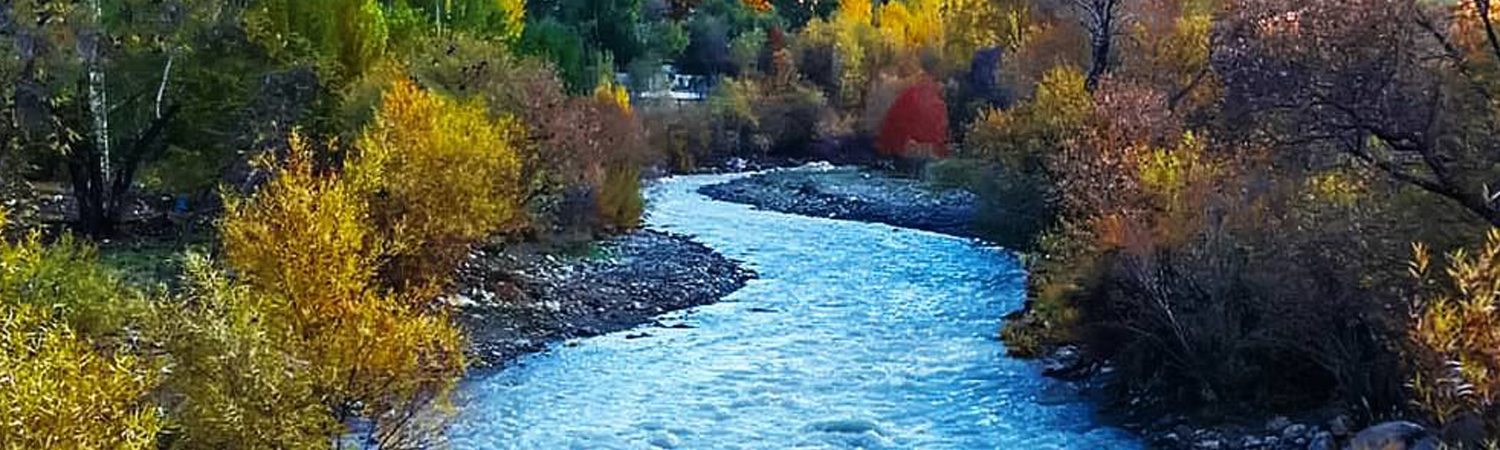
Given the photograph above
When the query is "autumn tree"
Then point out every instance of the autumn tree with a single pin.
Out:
(440, 175)
(1101, 19)
(916, 124)
(95, 87)
(308, 247)
(1380, 82)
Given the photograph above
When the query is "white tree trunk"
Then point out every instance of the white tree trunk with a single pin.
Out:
(98, 98)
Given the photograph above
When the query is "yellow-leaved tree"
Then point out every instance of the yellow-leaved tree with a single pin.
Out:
(1022, 137)
(440, 174)
(914, 24)
(310, 246)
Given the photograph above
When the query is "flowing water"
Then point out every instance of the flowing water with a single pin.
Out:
(856, 335)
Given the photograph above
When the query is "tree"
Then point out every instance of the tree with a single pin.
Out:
(103, 127)
(440, 175)
(342, 38)
(1381, 82)
(311, 251)
(1101, 18)
(503, 19)
(916, 124)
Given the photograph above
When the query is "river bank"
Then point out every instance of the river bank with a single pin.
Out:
(861, 194)
(854, 335)
(519, 298)
(853, 193)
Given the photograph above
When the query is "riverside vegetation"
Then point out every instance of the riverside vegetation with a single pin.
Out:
(1244, 206)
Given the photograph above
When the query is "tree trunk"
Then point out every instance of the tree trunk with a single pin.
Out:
(1098, 18)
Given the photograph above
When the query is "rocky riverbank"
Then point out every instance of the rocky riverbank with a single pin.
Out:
(862, 194)
(1169, 426)
(853, 193)
(518, 299)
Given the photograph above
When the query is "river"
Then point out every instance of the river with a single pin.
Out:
(856, 336)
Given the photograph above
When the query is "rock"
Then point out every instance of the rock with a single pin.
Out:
(1339, 426)
(1275, 425)
(1321, 441)
(1293, 431)
(1396, 435)
(1466, 431)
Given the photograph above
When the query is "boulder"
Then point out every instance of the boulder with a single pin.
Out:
(1396, 435)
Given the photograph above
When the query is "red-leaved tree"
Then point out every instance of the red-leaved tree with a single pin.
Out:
(916, 124)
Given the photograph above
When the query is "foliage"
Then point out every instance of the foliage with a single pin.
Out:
(619, 200)
(1303, 93)
(1014, 208)
(1021, 138)
(67, 376)
(501, 19)
(345, 37)
(439, 175)
(764, 119)
(562, 45)
(684, 137)
(913, 23)
(610, 25)
(59, 392)
(236, 371)
(1453, 330)
(745, 50)
(917, 123)
(308, 242)
(974, 25)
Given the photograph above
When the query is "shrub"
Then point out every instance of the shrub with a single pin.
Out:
(619, 200)
(682, 133)
(883, 92)
(1014, 208)
(308, 244)
(1024, 137)
(918, 119)
(440, 175)
(236, 370)
(1454, 330)
(762, 119)
(59, 392)
(68, 379)
(789, 119)
(566, 145)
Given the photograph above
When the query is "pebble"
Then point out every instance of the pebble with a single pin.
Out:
(1293, 431)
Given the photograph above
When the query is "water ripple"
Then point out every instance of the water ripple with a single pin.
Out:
(857, 336)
